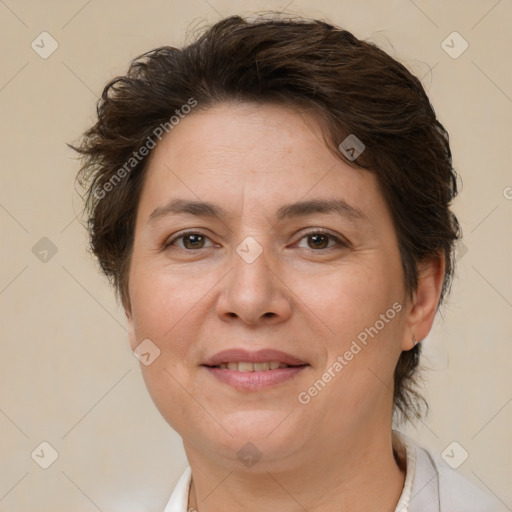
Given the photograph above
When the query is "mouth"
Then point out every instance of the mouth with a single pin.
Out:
(246, 366)
(260, 360)
(251, 371)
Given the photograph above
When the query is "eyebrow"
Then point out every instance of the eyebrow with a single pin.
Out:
(292, 210)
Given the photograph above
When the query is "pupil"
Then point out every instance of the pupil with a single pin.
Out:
(193, 239)
(319, 236)
(196, 240)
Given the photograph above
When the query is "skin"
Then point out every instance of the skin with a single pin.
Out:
(191, 301)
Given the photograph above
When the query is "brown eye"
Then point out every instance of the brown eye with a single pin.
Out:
(317, 240)
(191, 241)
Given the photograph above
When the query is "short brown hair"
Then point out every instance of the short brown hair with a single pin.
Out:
(352, 85)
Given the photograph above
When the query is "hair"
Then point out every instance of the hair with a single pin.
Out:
(352, 86)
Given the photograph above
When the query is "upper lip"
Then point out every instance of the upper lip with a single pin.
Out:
(259, 356)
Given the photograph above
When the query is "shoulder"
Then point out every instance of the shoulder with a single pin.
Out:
(452, 491)
(458, 493)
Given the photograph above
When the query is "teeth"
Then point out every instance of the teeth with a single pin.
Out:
(244, 366)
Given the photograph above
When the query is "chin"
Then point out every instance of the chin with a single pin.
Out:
(247, 440)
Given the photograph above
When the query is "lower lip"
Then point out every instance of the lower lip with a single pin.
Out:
(253, 381)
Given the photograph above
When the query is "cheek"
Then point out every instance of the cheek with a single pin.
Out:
(352, 298)
(362, 308)
(162, 299)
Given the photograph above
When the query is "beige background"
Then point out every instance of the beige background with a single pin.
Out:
(67, 375)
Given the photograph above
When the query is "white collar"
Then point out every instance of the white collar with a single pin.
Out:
(410, 453)
(179, 496)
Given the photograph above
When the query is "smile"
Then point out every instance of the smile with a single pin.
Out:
(252, 367)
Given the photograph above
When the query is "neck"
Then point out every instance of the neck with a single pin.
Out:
(367, 476)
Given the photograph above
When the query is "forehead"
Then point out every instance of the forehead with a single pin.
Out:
(250, 153)
(237, 133)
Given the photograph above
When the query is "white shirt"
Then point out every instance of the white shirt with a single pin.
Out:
(430, 486)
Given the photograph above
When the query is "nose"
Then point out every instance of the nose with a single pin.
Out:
(253, 293)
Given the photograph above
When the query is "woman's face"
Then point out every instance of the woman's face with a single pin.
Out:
(259, 276)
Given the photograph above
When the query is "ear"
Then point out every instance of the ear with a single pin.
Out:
(130, 324)
(423, 307)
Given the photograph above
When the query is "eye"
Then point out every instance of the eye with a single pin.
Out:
(320, 240)
(194, 240)
(191, 240)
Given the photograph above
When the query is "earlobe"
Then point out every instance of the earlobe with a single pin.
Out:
(425, 301)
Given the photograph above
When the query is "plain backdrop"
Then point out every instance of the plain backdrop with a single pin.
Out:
(67, 375)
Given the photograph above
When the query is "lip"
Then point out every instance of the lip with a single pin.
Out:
(254, 381)
(259, 356)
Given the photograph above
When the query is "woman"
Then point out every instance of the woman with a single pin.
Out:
(272, 203)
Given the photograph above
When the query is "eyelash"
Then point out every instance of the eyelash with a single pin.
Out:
(338, 240)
